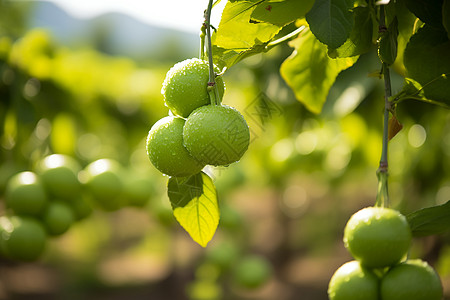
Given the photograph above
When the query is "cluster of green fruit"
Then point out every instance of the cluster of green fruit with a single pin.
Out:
(379, 239)
(47, 201)
(198, 133)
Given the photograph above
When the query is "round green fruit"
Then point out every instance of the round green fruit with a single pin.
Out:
(57, 218)
(25, 194)
(185, 86)
(59, 173)
(23, 238)
(412, 280)
(138, 189)
(216, 135)
(353, 282)
(81, 208)
(166, 151)
(103, 179)
(223, 255)
(252, 272)
(377, 237)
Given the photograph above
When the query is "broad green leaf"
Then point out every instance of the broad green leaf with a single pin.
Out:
(194, 204)
(360, 39)
(412, 90)
(331, 21)
(310, 72)
(281, 13)
(387, 44)
(427, 61)
(226, 58)
(406, 22)
(428, 11)
(234, 8)
(235, 30)
(430, 221)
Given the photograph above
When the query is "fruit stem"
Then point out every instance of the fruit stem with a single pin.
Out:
(202, 41)
(212, 88)
(382, 172)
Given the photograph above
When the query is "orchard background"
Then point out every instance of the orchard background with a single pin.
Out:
(311, 163)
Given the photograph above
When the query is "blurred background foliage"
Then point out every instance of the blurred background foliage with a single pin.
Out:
(283, 206)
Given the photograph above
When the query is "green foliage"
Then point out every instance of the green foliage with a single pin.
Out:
(194, 203)
(310, 72)
(429, 11)
(281, 13)
(331, 21)
(430, 221)
(427, 62)
(237, 32)
(360, 39)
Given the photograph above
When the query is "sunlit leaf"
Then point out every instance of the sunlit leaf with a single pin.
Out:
(281, 12)
(310, 72)
(235, 30)
(427, 61)
(64, 134)
(226, 58)
(331, 21)
(194, 204)
(430, 221)
(360, 39)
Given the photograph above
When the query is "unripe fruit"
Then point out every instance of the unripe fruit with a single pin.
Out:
(104, 182)
(81, 208)
(59, 174)
(185, 86)
(22, 238)
(252, 272)
(412, 280)
(25, 194)
(377, 237)
(353, 282)
(216, 135)
(57, 218)
(166, 151)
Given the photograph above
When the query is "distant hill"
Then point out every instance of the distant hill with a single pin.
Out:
(115, 33)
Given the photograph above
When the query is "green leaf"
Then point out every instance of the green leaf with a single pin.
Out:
(235, 30)
(331, 21)
(226, 58)
(430, 221)
(310, 72)
(360, 39)
(412, 90)
(427, 61)
(281, 13)
(428, 11)
(194, 204)
(387, 44)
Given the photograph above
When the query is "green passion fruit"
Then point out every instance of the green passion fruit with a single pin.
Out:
(166, 151)
(353, 282)
(216, 135)
(185, 86)
(377, 237)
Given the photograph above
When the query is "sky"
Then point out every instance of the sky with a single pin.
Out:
(185, 15)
